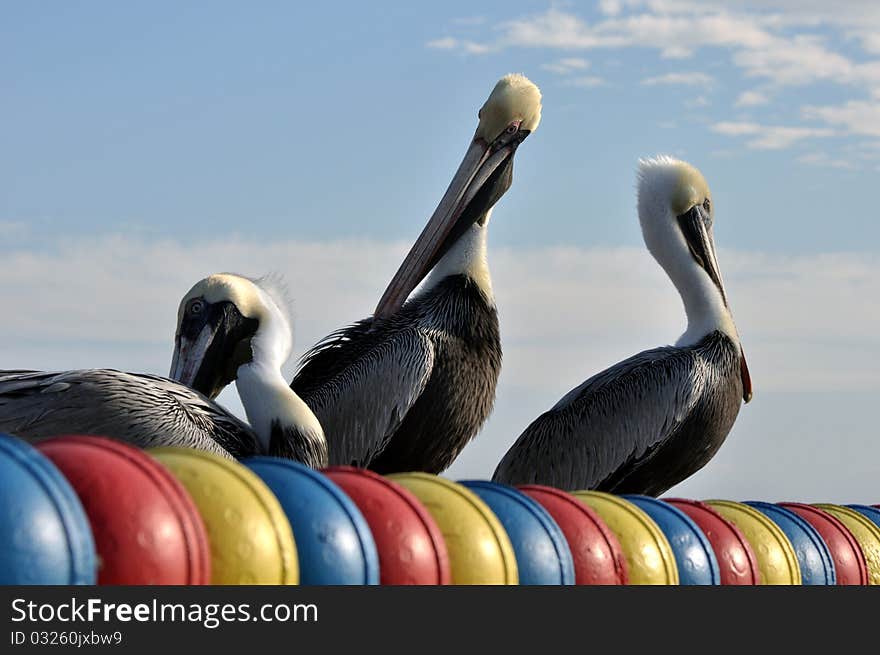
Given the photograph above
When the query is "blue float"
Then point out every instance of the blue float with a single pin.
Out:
(333, 540)
(694, 556)
(45, 538)
(866, 510)
(542, 553)
(813, 554)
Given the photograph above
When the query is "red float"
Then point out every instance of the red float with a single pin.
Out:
(849, 561)
(410, 545)
(147, 529)
(735, 556)
(598, 557)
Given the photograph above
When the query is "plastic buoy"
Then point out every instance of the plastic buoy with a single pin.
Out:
(147, 530)
(479, 549)
(45, 537)
(776, 557)
(542, 553)
(814, 558)
(694, 556)
(334, 542)
(865, 532)
(409, 543)
(649, 557)
(250, 537)
(849, 561)
(737, 562)
(596, 552)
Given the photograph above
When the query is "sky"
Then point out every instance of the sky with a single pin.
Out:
(143, 146)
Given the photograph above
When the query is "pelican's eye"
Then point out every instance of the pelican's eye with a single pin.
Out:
(707, 205)
(512, 128)
(196, 307)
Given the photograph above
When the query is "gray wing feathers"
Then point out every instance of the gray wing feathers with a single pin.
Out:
(143, 410)
(615, 417)
(362, 406)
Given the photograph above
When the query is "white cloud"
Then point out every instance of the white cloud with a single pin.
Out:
(449, 43)
(770, 137)
(566, 312)
(870, 41)
(446, 43)
(691, 78)
(751, 99)
(585, 81)
(567, 65)
(10, 230)
(610, 7)
(823, 159)
(470, 20)
(699, 101)
(855, 116)
(126, 290)
(776, 41)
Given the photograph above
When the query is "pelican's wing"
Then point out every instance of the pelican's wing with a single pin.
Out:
(143, 410)
(361, 382)
(614, 419)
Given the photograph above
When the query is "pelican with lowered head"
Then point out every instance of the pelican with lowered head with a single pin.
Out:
(409, 387)
(654, 419)
(229, 328)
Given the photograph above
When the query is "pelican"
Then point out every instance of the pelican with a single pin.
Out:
(229, 328)
(654, 419)
(407, 388)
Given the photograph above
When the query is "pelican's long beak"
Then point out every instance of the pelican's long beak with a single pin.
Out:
(695, 226)
(209, 349)
(482, 178)
(187, 363)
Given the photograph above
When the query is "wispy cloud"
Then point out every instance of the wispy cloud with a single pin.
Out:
(567, 65)
(751, 99)
(450, 43)
(133, 286)
(781, 44)
(585, 81)
(470, 20)
(823, 159)
(691, 78)
(623, 303)
(11, 230)
(770, 137)
(855, 116)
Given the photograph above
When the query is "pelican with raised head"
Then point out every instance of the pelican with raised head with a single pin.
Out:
(229, 328)
(654, 419)
(409, 387)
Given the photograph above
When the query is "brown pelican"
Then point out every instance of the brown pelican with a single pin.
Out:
(652, 420)
(229, 328)
(407, 388)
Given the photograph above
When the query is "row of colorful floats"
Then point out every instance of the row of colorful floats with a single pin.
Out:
(90, 510)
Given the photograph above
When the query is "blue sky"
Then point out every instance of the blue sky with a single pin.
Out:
(145, 145)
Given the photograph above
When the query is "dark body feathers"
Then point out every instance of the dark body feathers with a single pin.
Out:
(407, 393)
(639, 427)
(143, 410)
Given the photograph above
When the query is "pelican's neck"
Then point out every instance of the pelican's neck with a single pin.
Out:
(467, 256)
(264, 393)
(269, 401)
(703, 304)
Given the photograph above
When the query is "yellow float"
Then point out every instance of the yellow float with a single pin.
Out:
(777, 559)
(649, 557)
(250, 537)
(866, 533)
(479, 549)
